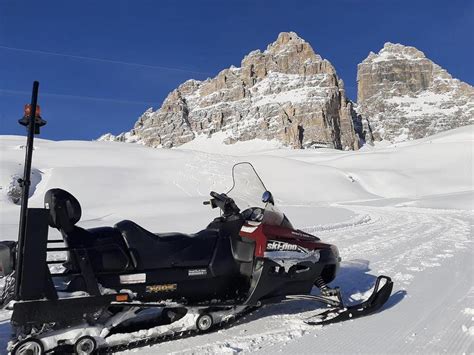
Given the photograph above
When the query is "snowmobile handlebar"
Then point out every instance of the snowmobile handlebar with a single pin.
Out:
(224, 202)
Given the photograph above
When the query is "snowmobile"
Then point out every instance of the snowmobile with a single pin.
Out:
(118, 280)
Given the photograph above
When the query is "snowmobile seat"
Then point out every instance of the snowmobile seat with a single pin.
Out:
(105, 246)
(64, 209)
(165, 250)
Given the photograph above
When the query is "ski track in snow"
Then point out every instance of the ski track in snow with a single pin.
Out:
(356, 221)
(414, 246)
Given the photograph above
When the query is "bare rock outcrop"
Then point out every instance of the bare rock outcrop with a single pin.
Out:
(404, 95)
(287, 92)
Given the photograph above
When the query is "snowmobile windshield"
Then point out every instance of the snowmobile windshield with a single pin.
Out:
(247, 189)
(247, 192)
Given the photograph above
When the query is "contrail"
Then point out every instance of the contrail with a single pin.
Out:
(103, 60)
(78, 97)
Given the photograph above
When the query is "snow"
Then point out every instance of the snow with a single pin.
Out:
(263, 91)
(405, 210)
(267, 91)
(424, 103)
(396, 51)
(208, 144)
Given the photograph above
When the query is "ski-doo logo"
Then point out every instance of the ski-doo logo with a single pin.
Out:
(274, 245)
(161, 288)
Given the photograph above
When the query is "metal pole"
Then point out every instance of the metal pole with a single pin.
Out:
(25, 189)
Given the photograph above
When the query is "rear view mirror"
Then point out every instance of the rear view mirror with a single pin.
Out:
(267, 197)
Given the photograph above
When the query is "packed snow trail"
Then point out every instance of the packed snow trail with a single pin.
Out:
(429, 255)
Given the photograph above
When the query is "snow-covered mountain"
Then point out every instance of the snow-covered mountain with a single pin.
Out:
(291, 94)
(287, 92)
(404, 95)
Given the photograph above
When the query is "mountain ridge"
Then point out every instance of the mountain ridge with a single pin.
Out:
(290, 93)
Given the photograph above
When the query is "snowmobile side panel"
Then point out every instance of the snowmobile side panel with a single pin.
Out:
(224, 277)
(270, 280)
(256, 234)
(65, 311)
(243, 249)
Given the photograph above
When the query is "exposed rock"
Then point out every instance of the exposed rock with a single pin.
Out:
(287, 92)
(404, 95)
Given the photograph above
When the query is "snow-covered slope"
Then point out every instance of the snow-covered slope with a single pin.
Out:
(405, 210)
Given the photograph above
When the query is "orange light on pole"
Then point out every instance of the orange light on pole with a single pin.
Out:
(28, 108)
(38, 121)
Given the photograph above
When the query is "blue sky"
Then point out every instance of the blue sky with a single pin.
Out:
(144, 48)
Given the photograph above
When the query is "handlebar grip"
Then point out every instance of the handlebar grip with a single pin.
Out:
(206, 202)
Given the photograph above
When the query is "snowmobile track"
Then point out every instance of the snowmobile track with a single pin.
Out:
(177, 335)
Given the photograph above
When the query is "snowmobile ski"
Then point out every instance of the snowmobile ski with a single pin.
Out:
(373, 304)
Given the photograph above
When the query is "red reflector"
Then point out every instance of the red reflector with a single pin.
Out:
(121, 298)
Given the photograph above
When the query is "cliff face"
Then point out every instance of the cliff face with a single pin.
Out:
(287, 92)
(404, 95)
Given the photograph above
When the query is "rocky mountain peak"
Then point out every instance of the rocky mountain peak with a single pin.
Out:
(289, 54)
(286, 92)
(399, 51)
(291, 43)
(407, 96)
(287, 37)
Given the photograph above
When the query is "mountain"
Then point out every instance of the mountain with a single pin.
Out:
(290, 94)
(404, 95)
(287, 92)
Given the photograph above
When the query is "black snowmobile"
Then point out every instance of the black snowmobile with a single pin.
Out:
(116, 281)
